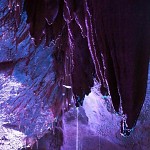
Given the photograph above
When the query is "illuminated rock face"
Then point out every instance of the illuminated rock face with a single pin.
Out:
(27, 80)
(98, 126)
(51, 53)
(106, 40)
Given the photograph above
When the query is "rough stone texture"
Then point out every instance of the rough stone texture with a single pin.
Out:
(99, 127)
(28, 91)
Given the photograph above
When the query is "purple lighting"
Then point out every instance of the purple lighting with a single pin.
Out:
(73, 72)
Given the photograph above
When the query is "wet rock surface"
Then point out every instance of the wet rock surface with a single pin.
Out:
(102, 132)
(36, 78)
(96, 127)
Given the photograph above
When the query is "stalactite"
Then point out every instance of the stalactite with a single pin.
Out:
(58, 47)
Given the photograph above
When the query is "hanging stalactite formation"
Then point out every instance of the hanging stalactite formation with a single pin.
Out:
(107, 35)
(82, 41)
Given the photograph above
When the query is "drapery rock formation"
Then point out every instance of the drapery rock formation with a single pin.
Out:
(115, 33)
(57, 48)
